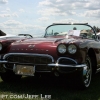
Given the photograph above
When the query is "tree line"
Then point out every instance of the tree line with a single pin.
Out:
(97, 29)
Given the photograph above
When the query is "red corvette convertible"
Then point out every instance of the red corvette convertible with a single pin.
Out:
(64, 49)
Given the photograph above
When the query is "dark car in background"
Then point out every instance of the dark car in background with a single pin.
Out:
(64, 49)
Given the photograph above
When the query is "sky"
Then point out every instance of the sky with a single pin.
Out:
(33, 16)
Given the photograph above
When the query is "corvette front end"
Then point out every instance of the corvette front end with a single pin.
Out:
(26, 64)
(63, 50)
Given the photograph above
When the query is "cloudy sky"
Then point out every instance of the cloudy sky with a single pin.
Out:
(33, 16)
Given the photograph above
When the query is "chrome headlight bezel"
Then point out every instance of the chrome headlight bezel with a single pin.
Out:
(62, 48)
(72, 49)
(0, 46)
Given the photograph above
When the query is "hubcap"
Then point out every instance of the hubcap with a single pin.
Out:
(87, 76)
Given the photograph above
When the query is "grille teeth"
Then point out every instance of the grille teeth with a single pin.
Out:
(29, 59)
(23, 59)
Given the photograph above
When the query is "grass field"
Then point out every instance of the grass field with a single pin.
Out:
(57, 89)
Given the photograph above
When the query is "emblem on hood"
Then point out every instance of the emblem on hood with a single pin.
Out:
(31, 46)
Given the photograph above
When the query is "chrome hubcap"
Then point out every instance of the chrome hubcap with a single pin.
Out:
(87, 76)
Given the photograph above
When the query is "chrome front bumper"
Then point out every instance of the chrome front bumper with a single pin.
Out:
(52, 66)
(61, 65)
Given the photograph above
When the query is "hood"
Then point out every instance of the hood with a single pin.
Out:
(41, 40)
(39, 45)
(46, 40)
(36, 45)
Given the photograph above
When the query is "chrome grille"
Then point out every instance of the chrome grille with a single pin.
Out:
(29, 59)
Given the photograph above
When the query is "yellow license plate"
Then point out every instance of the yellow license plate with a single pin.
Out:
(25, 70)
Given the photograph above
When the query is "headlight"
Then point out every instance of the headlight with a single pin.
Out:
(0, 46)
(72, 49)
(62, 48)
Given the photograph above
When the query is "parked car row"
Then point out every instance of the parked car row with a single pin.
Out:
(65, 49)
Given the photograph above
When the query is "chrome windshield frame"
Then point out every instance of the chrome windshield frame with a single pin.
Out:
(54, 24)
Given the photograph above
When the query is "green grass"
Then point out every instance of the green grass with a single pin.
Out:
(57, 89)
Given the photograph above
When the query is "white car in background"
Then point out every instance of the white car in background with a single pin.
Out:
(9, 36)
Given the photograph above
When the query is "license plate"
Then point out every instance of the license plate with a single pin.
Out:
(24, 70)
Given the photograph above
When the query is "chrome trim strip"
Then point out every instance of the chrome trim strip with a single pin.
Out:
(3, 61)
(61, 65)
(28, 54)
(65, 58)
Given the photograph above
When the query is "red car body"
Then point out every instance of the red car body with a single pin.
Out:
(56, 53)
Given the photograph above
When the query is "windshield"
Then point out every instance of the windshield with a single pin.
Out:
(83, 31)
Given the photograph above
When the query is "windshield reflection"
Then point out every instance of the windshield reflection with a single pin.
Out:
(83, 31)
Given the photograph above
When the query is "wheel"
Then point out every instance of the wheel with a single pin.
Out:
(86, 74)
(9, 76)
